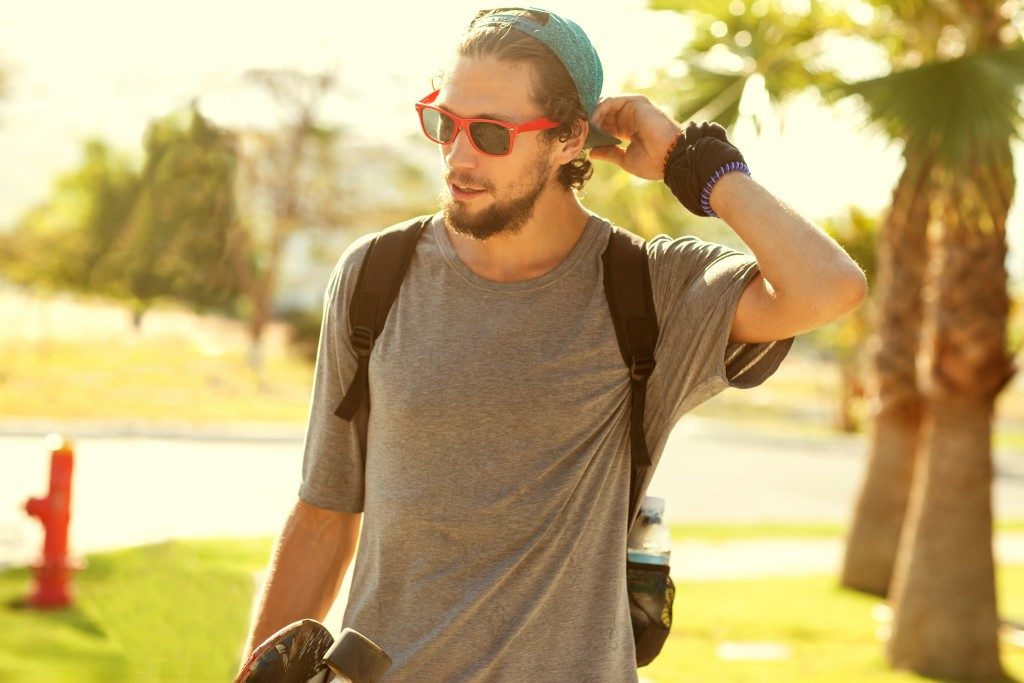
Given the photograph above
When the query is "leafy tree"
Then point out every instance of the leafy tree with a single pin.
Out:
(174, 241)
(58, 244)
(111, 229)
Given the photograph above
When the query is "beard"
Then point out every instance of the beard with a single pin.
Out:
(502, 217)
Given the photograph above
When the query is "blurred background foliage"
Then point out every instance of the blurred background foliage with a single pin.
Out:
(137, 234)
(209, 215)
(247, 222)
(58, 244)
(844, 341)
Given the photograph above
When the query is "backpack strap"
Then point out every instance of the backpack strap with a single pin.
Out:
(380, 278)
(627, 286)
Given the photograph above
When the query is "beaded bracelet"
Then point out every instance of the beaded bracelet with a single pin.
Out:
(705, 195)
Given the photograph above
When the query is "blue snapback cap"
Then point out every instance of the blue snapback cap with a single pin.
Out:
(572, 47)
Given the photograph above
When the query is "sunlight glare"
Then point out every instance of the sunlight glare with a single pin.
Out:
(861, 12)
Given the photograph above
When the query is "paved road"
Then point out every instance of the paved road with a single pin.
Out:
(132, 490)
(714, 472)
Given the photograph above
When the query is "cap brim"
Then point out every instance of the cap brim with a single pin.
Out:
(599, 138)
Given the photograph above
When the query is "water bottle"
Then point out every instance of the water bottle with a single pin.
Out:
(650, 542)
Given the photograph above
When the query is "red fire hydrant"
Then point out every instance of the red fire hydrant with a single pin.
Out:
(53, 573)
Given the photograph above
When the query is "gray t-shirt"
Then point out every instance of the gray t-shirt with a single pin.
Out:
(497, 454)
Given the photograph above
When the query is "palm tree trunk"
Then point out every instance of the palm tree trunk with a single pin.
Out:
(896, 402)
(945, 618)
(945, 624)
(849, 392)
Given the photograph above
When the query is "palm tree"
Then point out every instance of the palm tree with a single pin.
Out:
(931, 33)
(952, 100)
(943, 584)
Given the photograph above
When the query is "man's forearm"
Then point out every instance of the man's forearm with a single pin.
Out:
(306, 569)
(781, 238)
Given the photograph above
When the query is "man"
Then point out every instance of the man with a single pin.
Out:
(494, 493)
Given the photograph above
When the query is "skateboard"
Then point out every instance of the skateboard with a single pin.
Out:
(305, 652)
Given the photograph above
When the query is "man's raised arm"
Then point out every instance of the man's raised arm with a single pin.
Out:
(806, 279)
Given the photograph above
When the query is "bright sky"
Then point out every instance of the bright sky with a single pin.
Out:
(106, 67)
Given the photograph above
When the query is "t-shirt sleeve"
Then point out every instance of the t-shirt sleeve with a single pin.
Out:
(333, 452)
(696, 287)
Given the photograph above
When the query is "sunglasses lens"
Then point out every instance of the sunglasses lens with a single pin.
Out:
(490, 137)
(438, 126)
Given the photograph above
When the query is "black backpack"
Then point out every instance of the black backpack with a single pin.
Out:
(627, 286)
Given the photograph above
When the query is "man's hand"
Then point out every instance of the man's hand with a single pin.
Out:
(648, 130)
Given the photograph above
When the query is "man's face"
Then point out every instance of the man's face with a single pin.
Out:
(488, 195)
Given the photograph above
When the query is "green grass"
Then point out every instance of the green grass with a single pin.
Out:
(175, 611)
(1008, 437)
(829, 632)
(178, 611)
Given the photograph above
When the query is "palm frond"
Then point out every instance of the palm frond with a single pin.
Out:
(961, 108)
(728, 49)
(705, 94)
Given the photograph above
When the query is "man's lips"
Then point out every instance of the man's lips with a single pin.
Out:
(464, 191)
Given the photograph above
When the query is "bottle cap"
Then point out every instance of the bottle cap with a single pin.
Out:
(653, 506)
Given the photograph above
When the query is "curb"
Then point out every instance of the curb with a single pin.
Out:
(112, 429)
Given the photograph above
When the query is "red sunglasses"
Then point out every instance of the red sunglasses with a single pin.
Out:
(490, 137)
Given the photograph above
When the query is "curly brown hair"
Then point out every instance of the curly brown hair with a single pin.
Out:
(553, 87)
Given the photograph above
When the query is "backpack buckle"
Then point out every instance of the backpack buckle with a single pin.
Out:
(362, 340)
(641, 367)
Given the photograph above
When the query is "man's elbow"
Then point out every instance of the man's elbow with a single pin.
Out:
(846, 291)
(839, 293)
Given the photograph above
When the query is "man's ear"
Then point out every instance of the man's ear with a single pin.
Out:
(571, 148)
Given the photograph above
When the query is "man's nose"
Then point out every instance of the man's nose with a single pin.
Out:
(460, 153)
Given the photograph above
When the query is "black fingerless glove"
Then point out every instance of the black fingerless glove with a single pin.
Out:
(697, 159)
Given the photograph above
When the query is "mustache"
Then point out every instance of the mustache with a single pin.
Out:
(464, 180)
